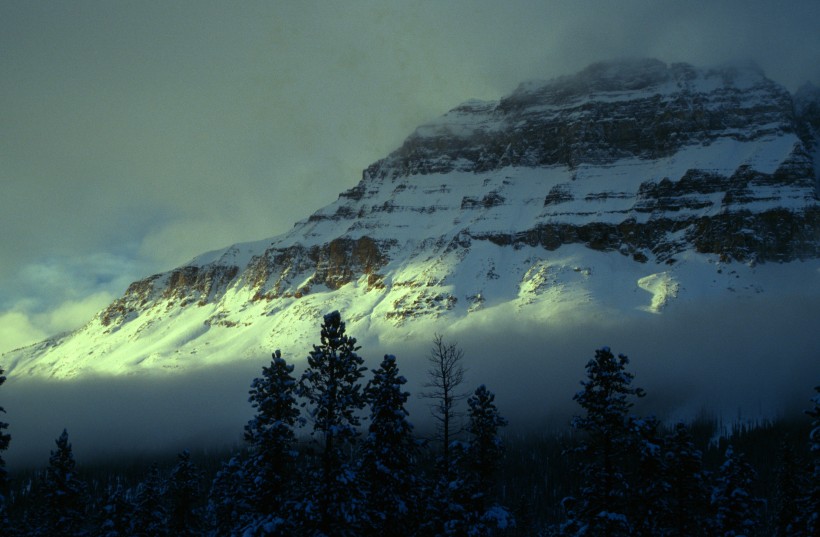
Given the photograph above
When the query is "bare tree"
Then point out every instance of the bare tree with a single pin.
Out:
(445, 375)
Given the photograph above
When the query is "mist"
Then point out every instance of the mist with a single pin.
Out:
(741, 358)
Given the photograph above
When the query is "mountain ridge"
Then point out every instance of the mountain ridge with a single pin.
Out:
(651, 175)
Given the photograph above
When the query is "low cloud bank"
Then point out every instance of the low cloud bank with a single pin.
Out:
(751, 358)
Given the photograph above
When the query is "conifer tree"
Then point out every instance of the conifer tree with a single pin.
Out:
(150, 518)
(229, 501)
(64, 494)
(271, 437)
(116, 514)
(735, 509)
(482, 459)
(607, 398)
(331, 385)
(688, 498)
(388, 455)
(648, 503)
(183, 493)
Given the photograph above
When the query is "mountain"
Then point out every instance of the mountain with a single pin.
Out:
(626, 189)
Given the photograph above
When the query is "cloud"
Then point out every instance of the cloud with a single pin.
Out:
(740, 359)
(17, 330)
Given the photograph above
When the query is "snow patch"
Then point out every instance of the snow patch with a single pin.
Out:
(663, 288)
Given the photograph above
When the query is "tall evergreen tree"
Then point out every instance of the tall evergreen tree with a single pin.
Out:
(64, 494)
(485, 448)
(183, 492)
(482, 461)
(606, 398)
(150, 518)
(688, 496)
(271, 436)
(331, 384)
(735, 509)
(388, 455)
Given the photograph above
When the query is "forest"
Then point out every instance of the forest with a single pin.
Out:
(333, 452)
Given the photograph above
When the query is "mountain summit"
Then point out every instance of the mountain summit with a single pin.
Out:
(627, 187)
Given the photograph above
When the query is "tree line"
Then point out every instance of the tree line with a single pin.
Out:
(365, 471)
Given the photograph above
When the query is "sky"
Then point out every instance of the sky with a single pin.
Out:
(137, 135)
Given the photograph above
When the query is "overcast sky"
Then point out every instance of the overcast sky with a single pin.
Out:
(136, 135)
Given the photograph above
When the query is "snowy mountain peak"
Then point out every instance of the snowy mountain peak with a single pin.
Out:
(627, 187)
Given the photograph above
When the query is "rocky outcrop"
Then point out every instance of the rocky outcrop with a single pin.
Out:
(607, 112)
(295, 270)
(180, 287)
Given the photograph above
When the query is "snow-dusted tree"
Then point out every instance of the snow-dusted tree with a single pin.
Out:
(150, 518)
(485, 448)
(331, 385)
(648, 503)
(183, 493)
(687, 497)
(271, 436)
(461, 503)
(735, 509)
(64, 494)
(116, 514)
(229, 501)
(444, 378)
(607, 398)
(481, 461)
(5, 439)
(388, 456)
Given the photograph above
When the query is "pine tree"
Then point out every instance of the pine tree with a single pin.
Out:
(150, 518)
(116, 514)
(482, 460)
(183, 493)
(648, 502)
(229, 500)
(687, 495)
(64, 494)
(388, 455)
(331, 385)
(735, 509)
(271, 437)
(607, 398)
(5, 439)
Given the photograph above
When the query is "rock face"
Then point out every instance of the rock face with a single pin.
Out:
(607, 112)
(504, 203)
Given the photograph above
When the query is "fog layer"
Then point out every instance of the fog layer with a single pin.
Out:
(750, 358)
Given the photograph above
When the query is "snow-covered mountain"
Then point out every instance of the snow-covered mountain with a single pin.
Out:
(629, 187)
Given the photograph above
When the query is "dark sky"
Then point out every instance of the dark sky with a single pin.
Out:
(136, 135)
